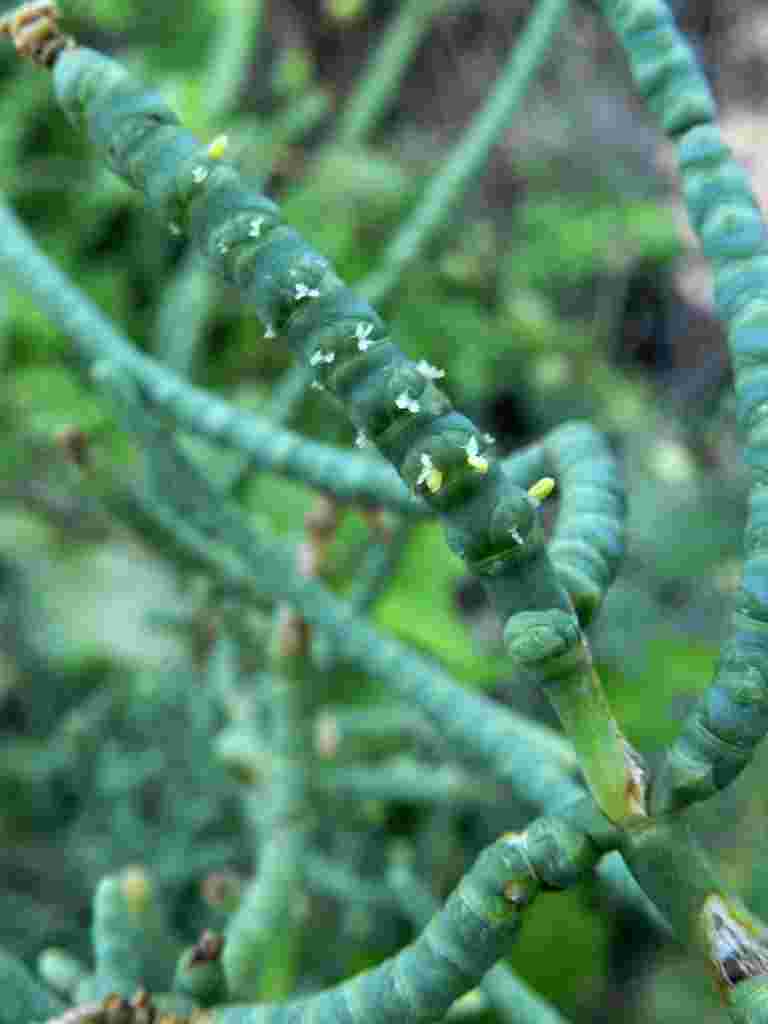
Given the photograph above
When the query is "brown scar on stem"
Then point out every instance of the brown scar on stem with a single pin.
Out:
(34, 30)
(737, 944)
(637, 779)
(208, 948)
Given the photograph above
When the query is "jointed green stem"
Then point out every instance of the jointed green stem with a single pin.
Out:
(732, 716)
(510, 997)
(395, 402)
(346, 474)
(23, 997)
(461, 942)
(552, 648)
(263, 938)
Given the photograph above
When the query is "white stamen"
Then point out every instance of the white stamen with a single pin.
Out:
(319, 356)
(404, 401)
(303, 291)
(427, 370)
(362, 334)
(430, 475)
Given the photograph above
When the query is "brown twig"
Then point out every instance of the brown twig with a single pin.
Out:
(34, 29)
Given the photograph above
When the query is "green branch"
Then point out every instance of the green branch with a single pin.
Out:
(263, 938)
(508, 995)
(731, 718)
(458, 946)
(348, 475)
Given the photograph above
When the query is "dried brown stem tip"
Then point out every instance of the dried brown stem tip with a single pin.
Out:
(34, 29)
(74, 442)
(208, 948)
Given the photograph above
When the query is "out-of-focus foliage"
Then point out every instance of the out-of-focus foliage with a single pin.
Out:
(106, 743)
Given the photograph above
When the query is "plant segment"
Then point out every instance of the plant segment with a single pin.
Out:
(489, 520)
(394, 402)
(732, 716)
(730, 719)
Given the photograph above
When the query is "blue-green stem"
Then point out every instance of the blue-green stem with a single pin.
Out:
(729, 720)
(406, 780)
(459, 945)
(263, 939)
(348, 475)
(513, 1001)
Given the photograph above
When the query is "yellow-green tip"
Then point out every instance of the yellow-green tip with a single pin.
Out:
(542, 488)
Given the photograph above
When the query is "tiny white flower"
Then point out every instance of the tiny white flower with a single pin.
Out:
(427, 370)
(174, 228)
(474, 458)
(319, 356)
(317, 386)
(303, 291)
(404, 401)
(430, 475)
(516, 535)
(426, 468)
(223, 247)
(489, 439)
(361, 441)
(254, 229)
(363, 333)
(270, 331)
(199, 174)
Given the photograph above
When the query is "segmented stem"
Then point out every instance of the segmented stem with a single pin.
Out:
(731, 718)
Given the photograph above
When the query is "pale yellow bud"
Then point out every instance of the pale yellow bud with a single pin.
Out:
(542, 489)
(218, 147)
(136, 889)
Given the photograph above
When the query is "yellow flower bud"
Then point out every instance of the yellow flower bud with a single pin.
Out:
(542, 489)
(217, 148)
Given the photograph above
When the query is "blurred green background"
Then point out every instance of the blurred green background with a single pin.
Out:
(563, 286)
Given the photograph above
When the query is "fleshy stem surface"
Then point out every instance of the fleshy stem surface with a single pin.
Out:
(587, 545)
(513, 1001)
(348, 475)
(729, 720)
(458, 946)
(23, 997)
(469, 155)
(390, 399)
(669, 864)
(263, 937)
(550, 646)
